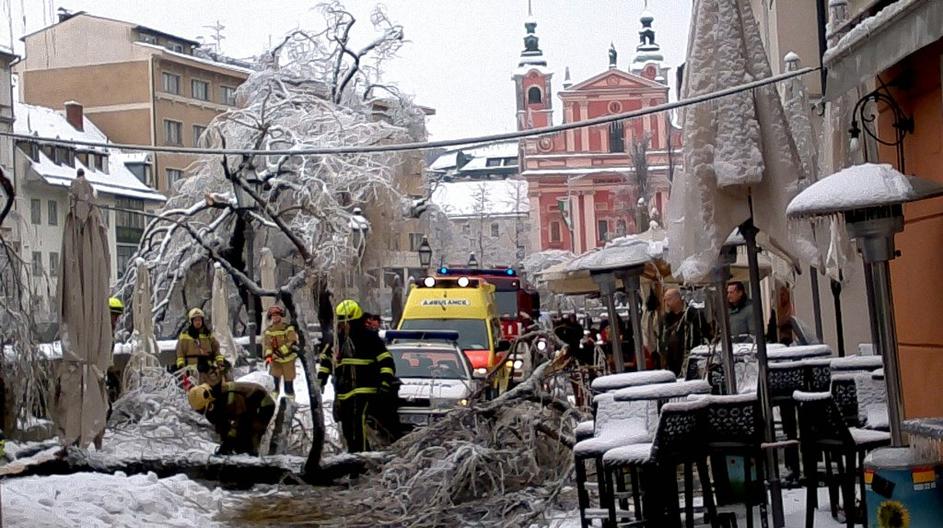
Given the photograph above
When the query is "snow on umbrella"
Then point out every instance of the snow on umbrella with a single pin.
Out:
(741, 165)
(219, 312)
(870, 199)
(144, 350)
(85, 325)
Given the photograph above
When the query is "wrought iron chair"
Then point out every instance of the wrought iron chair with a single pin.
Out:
(823, 430)
(733, 427)
(784, 379)
(678, 441)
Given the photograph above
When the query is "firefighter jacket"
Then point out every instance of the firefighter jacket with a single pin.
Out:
(240, 408)
(194, 345)
(361, 365)
(279, 343)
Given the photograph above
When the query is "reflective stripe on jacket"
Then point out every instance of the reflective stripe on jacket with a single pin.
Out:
(204, 346)
(278, 341)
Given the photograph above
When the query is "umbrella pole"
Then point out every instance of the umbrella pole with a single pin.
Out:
(839, 325)
(250, 298)
(607, 290)
(633, 286)
(723, 320)
(748, 230)
(883, 315)
(816, 303)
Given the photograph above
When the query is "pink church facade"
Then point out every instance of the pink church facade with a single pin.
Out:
(583, 183)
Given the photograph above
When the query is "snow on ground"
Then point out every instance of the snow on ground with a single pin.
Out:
(89, 500)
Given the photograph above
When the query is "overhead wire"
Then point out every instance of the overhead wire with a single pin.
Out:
(426, 145)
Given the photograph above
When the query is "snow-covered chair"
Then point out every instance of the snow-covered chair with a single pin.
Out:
(678, 440)
(616, 424)
(823, 431)
(613, 382)
(857, 364)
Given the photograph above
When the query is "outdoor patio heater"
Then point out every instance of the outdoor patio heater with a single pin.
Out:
(870, 198)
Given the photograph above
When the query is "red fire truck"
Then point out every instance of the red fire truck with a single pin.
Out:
(514, 298)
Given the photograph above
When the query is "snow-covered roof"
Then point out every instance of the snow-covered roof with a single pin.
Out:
(487, 197)
(859, 187)
(449, 159)
(209, 62)
(47, 122)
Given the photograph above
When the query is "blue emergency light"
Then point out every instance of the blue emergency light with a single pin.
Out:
(472, 271)
(421, 335)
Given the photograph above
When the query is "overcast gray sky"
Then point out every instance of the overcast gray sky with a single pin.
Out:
(460, 53)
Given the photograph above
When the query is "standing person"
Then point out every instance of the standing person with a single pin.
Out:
(683, 328)
(239, 411)
(326, 316)
(741, 311)
(364, 376)
(196, 347)
(280, 349)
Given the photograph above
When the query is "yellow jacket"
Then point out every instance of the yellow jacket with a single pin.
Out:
(189, 350)
(278, 341)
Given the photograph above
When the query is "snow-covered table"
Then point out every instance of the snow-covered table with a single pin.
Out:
(857, 363)
(663, 392)
(631, 379)
(796, 353)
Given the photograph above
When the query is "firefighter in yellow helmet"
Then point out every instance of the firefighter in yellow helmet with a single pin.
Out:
(196, 347)
(364, 375)
(279, 345)
(116, 308)
(239, 411)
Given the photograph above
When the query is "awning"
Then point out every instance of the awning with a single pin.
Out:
(881, 41)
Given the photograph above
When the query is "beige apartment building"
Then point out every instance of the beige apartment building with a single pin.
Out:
(137, 84)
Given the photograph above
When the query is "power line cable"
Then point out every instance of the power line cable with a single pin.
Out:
(427, 145)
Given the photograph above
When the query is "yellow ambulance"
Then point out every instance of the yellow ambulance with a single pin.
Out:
(460, 304)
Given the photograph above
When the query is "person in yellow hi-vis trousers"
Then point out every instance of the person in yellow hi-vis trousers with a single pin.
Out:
(364, 374)
(279, 345)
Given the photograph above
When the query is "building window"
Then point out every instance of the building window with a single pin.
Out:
(197, 134)
(227, 95)
(150, 39)
(616, 137)
(64, 156)
(83, 158)
(124, 254)
(415, 240)
(533, 95)
(142, 171)
(175, 47)
(510, 162)
(30, 149)
(493, 162)
(602, 230)
(36, 211)
(53, 213)
(129, 225)
(555, 232)
(620, 227)
(170, 83)
(200, 90)
(37, 264)
(495, 230)
(101, 162)
(172, 176)
(172, 132)
(53, 264)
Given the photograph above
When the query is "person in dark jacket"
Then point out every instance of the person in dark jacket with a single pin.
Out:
(683, 328)
(741, 311)
(239, 411)
(365, 382)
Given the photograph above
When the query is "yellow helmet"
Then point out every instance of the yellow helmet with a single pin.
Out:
(348, 310)
(115, 305)
(200, 397)
(194, 313)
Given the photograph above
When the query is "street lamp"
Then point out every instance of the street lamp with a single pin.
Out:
(472, 261)
(425, 253)
(245, 203)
